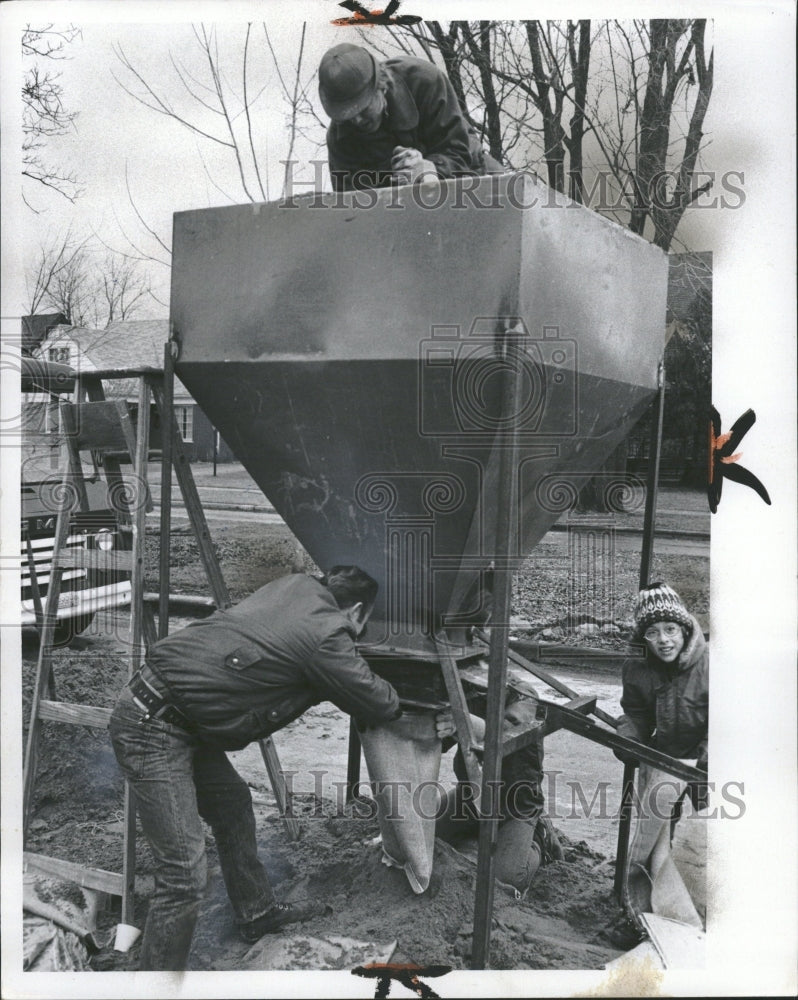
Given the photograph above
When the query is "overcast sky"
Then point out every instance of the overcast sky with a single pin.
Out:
(117, 142)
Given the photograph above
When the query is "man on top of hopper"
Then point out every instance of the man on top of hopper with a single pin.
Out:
(396, 121)
(219, 684)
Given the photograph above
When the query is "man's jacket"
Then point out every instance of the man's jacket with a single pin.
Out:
(669, 701)
(243, 673)
(422, 112)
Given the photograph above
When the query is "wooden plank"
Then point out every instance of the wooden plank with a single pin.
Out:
(514, 740)
(112, 467)
(34, 583)
(556, 684)
(505, 500)
(149, 630)
(584, 705)
(44, 665)
(272, 762)
(193, 506)
(476, 673)
(92, 378)
(114, 561)
(577, 723)
(89, 878)
(78, 715)
(140, 458)
(128, 877)
(71, 463)
(190, 600)
(460, 712)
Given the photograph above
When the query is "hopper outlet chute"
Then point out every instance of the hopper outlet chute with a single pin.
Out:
(354, 357)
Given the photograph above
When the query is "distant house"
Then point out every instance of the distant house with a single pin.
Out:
(129, 344)
(36, 328)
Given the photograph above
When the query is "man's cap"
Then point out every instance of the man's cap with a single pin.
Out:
(659, 603)
(347, 80)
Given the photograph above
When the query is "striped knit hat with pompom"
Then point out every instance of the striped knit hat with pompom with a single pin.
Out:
(659, 603)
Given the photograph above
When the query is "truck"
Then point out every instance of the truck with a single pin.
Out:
(83, 592)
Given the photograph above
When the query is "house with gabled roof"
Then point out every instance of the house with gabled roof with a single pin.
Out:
(129, 344)
(35, 328)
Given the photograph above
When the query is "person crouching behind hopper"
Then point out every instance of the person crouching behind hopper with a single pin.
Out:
(526, 837)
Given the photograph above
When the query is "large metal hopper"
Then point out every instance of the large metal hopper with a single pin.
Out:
(350, 350)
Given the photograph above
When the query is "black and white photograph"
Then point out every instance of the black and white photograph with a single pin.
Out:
(398, 413)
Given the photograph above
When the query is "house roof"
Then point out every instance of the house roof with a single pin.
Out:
(35, 328)
(123, 344)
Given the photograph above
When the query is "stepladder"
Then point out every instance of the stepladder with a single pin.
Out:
(103, 431)
(106, 430)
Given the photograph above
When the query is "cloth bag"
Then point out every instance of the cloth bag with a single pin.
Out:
(655, 882)
(404, 761)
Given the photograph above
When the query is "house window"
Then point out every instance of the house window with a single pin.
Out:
(59, 355)
(185, 421)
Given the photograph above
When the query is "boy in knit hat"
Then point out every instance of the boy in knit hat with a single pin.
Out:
(666, 697)
(665, 703)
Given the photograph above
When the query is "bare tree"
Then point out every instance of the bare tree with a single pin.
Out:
(621, 102)
(676, 61)
(202, 99)
(52, 260)
(122, 287)
(70, 291)
(69, 276)
(515, 81)
(44, 115)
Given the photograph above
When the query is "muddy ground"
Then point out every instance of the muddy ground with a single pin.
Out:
(569, 920)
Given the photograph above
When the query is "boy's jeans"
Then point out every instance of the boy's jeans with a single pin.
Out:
(177, 779)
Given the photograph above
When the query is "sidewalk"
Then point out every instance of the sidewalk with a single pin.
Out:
(678, 510)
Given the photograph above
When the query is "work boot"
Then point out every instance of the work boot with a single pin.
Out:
(517, 855)
(280, 914)
(548, 844)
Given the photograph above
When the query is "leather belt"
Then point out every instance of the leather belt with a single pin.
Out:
(155, 706)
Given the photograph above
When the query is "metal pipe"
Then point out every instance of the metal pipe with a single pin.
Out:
(167, 431)
(624, 828)
(652, 486)
(506, 518)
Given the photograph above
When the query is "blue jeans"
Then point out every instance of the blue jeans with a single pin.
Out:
(176, 780)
